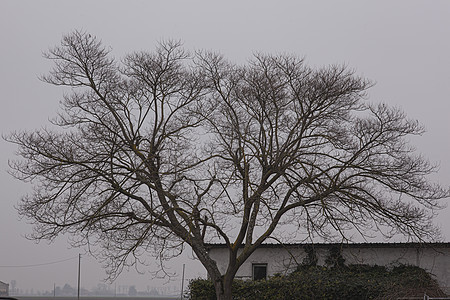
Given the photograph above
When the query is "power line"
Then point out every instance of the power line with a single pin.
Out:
(39, 265)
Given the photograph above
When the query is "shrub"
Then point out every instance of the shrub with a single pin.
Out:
(315, 282)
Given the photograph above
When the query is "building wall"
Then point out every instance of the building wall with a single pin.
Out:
(4, 289)
(435, 260)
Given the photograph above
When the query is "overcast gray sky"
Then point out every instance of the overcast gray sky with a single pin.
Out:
(404, 46)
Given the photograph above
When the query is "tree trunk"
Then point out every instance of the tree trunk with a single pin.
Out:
(223, 288)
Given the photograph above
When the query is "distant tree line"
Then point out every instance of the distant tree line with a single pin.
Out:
(100, 290)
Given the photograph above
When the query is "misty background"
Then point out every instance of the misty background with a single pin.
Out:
(403, 46)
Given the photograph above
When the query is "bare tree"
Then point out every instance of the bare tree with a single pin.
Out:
(167, 148)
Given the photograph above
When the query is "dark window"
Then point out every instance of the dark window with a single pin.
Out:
(259, 271)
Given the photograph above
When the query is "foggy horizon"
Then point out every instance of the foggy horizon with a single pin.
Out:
(401, 46)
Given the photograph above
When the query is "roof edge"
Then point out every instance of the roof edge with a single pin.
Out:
(344, 245)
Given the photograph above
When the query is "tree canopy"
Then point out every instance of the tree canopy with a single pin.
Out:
(169, 147)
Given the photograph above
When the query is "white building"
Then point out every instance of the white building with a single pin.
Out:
(4, 289)
(270, 259)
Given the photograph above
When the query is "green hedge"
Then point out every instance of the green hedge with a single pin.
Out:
(314, 282)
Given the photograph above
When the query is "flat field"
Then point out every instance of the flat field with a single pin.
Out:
(94, 298)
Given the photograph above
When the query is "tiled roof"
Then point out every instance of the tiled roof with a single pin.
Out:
(347, 245)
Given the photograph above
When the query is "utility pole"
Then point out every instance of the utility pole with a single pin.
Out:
(182, 283)
(79, 271)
